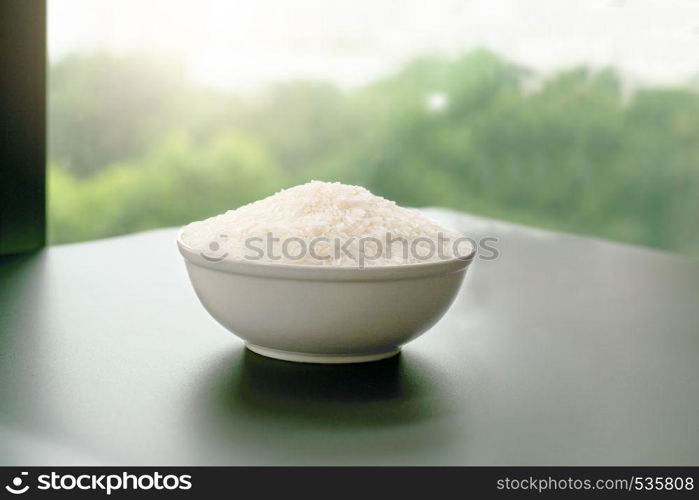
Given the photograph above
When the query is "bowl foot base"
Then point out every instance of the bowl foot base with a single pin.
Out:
(326, 359)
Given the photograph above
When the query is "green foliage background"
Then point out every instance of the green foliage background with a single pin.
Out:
(134, 146)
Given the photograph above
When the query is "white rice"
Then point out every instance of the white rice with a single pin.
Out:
(282, 229)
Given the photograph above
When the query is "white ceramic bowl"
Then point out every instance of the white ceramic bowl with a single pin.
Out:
(317, 314)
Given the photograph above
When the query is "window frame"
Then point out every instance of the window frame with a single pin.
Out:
(23, 132)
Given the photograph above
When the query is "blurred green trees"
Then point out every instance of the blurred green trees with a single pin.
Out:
(134, 146)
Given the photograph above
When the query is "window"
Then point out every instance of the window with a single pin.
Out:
(574, 116)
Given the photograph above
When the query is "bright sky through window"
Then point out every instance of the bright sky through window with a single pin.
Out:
(237, 44)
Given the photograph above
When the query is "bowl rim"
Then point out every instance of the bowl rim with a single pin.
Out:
(325, 273)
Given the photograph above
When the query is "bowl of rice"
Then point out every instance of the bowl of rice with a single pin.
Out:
(325, 273)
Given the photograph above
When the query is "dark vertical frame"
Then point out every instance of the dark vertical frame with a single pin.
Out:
(22, 125)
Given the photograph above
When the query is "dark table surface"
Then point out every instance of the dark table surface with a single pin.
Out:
(564, 350)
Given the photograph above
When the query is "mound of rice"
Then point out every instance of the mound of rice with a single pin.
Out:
(343, 225)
